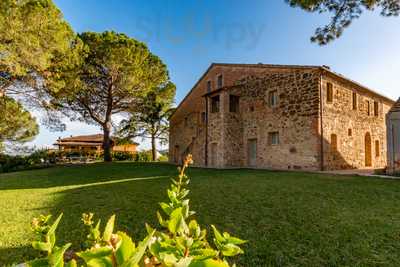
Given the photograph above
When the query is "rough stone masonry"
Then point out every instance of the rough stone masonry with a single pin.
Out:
(280, 117)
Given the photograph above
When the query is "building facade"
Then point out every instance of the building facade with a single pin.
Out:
(91, 144)
(280, 117)
(393, 132)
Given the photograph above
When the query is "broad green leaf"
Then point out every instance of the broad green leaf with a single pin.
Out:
(218, 235)
(208, 263)
(204, 254)
(126, 248)
(140, 250)
(230, 250)
(175, 220)
(71, 263)
(100, 262)
(109, 229)
(51, 233)
(56, 259)
(42, 246)
(95, 253)
(38, 263)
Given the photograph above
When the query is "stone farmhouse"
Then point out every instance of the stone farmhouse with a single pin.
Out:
(280, 117)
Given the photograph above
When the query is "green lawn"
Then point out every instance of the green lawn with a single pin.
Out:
(290, 219)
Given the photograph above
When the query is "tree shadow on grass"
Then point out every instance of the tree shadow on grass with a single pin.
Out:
(83, 174)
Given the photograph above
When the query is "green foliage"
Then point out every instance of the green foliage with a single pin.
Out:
(32, 33)
(123, 156)
(181, 243)
(143, 156)
(16, 123)
(149, 119)
(110, 74)
(344, 12)
(36, 160)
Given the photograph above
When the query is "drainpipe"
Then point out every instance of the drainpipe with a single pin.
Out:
(321, 120)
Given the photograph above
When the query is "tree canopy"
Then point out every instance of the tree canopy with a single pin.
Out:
(150, 118)
(17, 124)
(343, 13)
(110, 75)
(32, 32)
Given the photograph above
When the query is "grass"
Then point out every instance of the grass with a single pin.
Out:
(290, 219)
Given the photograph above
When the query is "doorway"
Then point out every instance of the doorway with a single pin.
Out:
(368, 150)
(252, 152)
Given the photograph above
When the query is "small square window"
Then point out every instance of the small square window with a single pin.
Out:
(215, 104)
(233, 103)
(273, 98)
(251, 108)
(273, 138)
(350, 132)
(329, 96)
(219, 81)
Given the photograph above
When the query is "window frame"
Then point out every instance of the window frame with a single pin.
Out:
(209, 86)
(329, 92)
(234, 103)
(215, 104)
(377, 148)
(273, 98)
(334, 143)
(376, 108)
(355, 101)
(219, 86)
(274, 141)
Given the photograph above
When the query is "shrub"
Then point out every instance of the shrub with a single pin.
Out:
(123, 156)
(180, 243)
(163, 158)
(144, 156)
(37, 159)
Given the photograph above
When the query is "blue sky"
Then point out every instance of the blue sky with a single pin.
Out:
(189, 35)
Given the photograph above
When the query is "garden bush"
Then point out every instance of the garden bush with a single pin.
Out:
(123, 156)
(37, 159)
(143, 156)
(180, 243)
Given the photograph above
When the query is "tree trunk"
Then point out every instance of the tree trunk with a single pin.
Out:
(107, 142)
(153, 148)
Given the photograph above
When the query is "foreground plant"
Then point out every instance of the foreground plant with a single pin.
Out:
(181, 243)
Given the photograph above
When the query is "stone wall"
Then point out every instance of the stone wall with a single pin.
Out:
(352, 125)
(304, 123)
(296, 118)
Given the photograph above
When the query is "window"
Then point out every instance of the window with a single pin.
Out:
(334, 143)
(208, 86)
(215, 104)
(273, 138)
(233, 103)
(377, 149)
(273, 98)
(368, 108)
(354, 101)
(251, 108)
(203, 117)
(186, 121)
(329, 96)
(350, 132)
(376, 109)
(219, 81)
